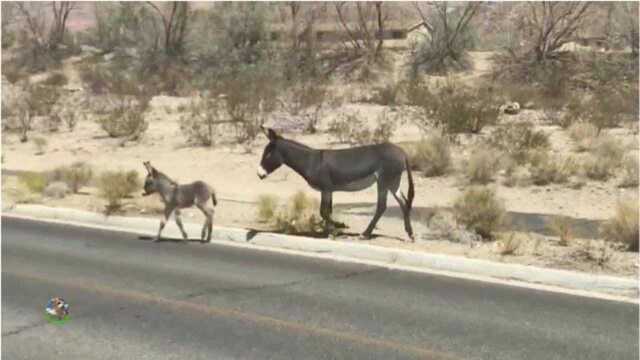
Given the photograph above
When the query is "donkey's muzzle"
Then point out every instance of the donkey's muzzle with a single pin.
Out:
(262, 173)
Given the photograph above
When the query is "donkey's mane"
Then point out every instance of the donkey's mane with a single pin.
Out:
(296, 144)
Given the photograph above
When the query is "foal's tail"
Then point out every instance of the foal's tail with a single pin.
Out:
(410, 192)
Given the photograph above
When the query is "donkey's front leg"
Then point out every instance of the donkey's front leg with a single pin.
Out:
(179, 222)
(325, 212)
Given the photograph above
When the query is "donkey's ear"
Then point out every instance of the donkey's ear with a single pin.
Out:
(271, 134)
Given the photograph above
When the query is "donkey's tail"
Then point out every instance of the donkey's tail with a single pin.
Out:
(214, 200)
(410, 192)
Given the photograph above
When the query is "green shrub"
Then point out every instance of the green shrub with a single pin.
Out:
(117, 185)
(75, 176)
(35, 182)
(431, 156)
(517, 139)
(623, 227)
(481, 166)
(267, 208)
(479, 210)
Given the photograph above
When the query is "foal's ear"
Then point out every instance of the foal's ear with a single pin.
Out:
(147, 165)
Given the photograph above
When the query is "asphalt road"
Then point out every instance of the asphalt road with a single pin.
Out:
(131, 298)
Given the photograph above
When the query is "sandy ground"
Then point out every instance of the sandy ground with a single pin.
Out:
(231, 170)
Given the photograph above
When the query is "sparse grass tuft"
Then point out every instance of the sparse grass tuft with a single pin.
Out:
(431, 156)
(117, 185)
(56, 190)
(479, 210)
(561, 227)
(547, 169)
(605, 157)
(584, 135)
(40, 144)
(267, 208)
(623, 227)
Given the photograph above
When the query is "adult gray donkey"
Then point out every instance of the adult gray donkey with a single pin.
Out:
(176, 197)
(351, 169)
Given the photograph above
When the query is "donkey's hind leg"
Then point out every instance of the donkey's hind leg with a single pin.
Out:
(380, 209)
(405, 212)
(179, 222)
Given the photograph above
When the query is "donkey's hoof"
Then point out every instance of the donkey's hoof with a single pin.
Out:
(365, 236)
(157, 239)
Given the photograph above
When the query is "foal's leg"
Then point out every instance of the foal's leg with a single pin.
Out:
(208, 224)
(382, 206)
(167, 212)
(179, 222)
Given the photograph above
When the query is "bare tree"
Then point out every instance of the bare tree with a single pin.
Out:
(624, 23)
(46, 35)
(366, 34)
(61, 11)
(448, 39)
(553, 23)
(175, 20)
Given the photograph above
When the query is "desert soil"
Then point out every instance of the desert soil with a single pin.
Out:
(231, 170)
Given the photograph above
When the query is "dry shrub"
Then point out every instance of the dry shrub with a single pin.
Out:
(117, 185)
(200, 124)
(56, 190)
(454, 108)
(75, 176)
(583, 134)
(606, 156)
(517, 139)
(630, 172)
(561, 227)
(623, 227)
(352, 129)
(267, 208)
(387, 95)
(482, 165)
(299, 215)
(479, 210)
(35, 182)
(431, 156)
(56, 79)
(548, 169)
(127, 120)
(508, 244)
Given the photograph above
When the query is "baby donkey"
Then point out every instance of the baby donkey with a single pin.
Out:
(176, 197)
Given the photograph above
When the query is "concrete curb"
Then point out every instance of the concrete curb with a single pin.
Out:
(590, 283)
